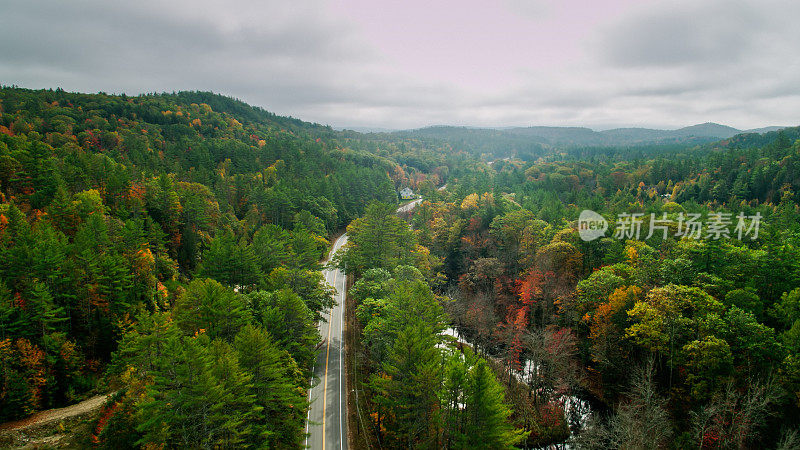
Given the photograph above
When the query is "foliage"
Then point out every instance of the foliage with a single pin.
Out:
(709, 313)
(111, 206)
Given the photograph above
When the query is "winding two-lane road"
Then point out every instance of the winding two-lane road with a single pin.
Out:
(327, 416)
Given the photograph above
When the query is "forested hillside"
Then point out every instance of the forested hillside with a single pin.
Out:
(167, 246)
(166, 249)
(418, 388)
(648, 340)
(528, 143)
(670, 340)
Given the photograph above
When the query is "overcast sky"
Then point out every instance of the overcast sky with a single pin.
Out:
(412, 63)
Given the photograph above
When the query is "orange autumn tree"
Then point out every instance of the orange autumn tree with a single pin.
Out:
(609, 347)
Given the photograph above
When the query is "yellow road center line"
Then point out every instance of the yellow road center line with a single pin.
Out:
(327, 358)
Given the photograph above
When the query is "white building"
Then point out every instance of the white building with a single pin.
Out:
(406, 193)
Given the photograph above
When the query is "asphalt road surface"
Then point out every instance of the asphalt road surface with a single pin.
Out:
(327, 415)
(409, 207)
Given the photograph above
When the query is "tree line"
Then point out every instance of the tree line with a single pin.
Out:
(672, 343)
(166, 247)
(419, 389)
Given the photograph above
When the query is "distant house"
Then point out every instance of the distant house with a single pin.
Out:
(406, 193)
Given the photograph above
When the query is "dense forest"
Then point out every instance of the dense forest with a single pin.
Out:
(167, 249)
(419, 389)
(646, 341)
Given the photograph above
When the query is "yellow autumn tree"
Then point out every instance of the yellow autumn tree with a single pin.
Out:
(470, 202)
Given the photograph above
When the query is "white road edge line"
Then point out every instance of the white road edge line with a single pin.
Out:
(313, 367)
(341, 354)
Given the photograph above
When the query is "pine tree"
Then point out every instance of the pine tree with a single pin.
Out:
(43, 311)
(407, 389)
(378, 240)
(285, 315)
(487, 424)
(231, 263)
(475, 414)
(278, 387)
(452, 398)
(12, 322)
(271, 247)
(208, 305)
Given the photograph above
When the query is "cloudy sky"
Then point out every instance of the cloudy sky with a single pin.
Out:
(411, 63)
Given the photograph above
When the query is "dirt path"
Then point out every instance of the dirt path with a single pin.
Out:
(52, 415)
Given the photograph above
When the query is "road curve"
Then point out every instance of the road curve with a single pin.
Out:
(409, 206)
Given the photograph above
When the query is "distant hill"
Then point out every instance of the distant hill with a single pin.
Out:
(527, 142)
(560, 135)
(574, 136)
(708, 129)
(756, 138)
(367, 129)
(486, 142)
(764, 130)
(633, 134)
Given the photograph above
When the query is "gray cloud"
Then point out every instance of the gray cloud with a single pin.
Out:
(715, 60)
(703, 33)
(669, 64)
(143, 49)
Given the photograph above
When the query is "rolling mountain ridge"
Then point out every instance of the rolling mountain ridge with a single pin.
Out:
(508, 141)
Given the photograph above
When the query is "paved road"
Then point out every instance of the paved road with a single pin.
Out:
(409, 207)
(327, 416)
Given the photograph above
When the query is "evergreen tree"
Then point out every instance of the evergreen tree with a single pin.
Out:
(230, 262)
(487, 415)
(285, 316)
(378, 240)
(44, 314)
(406, 390)
(278, 387)
(209, 306)
(202, 400)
